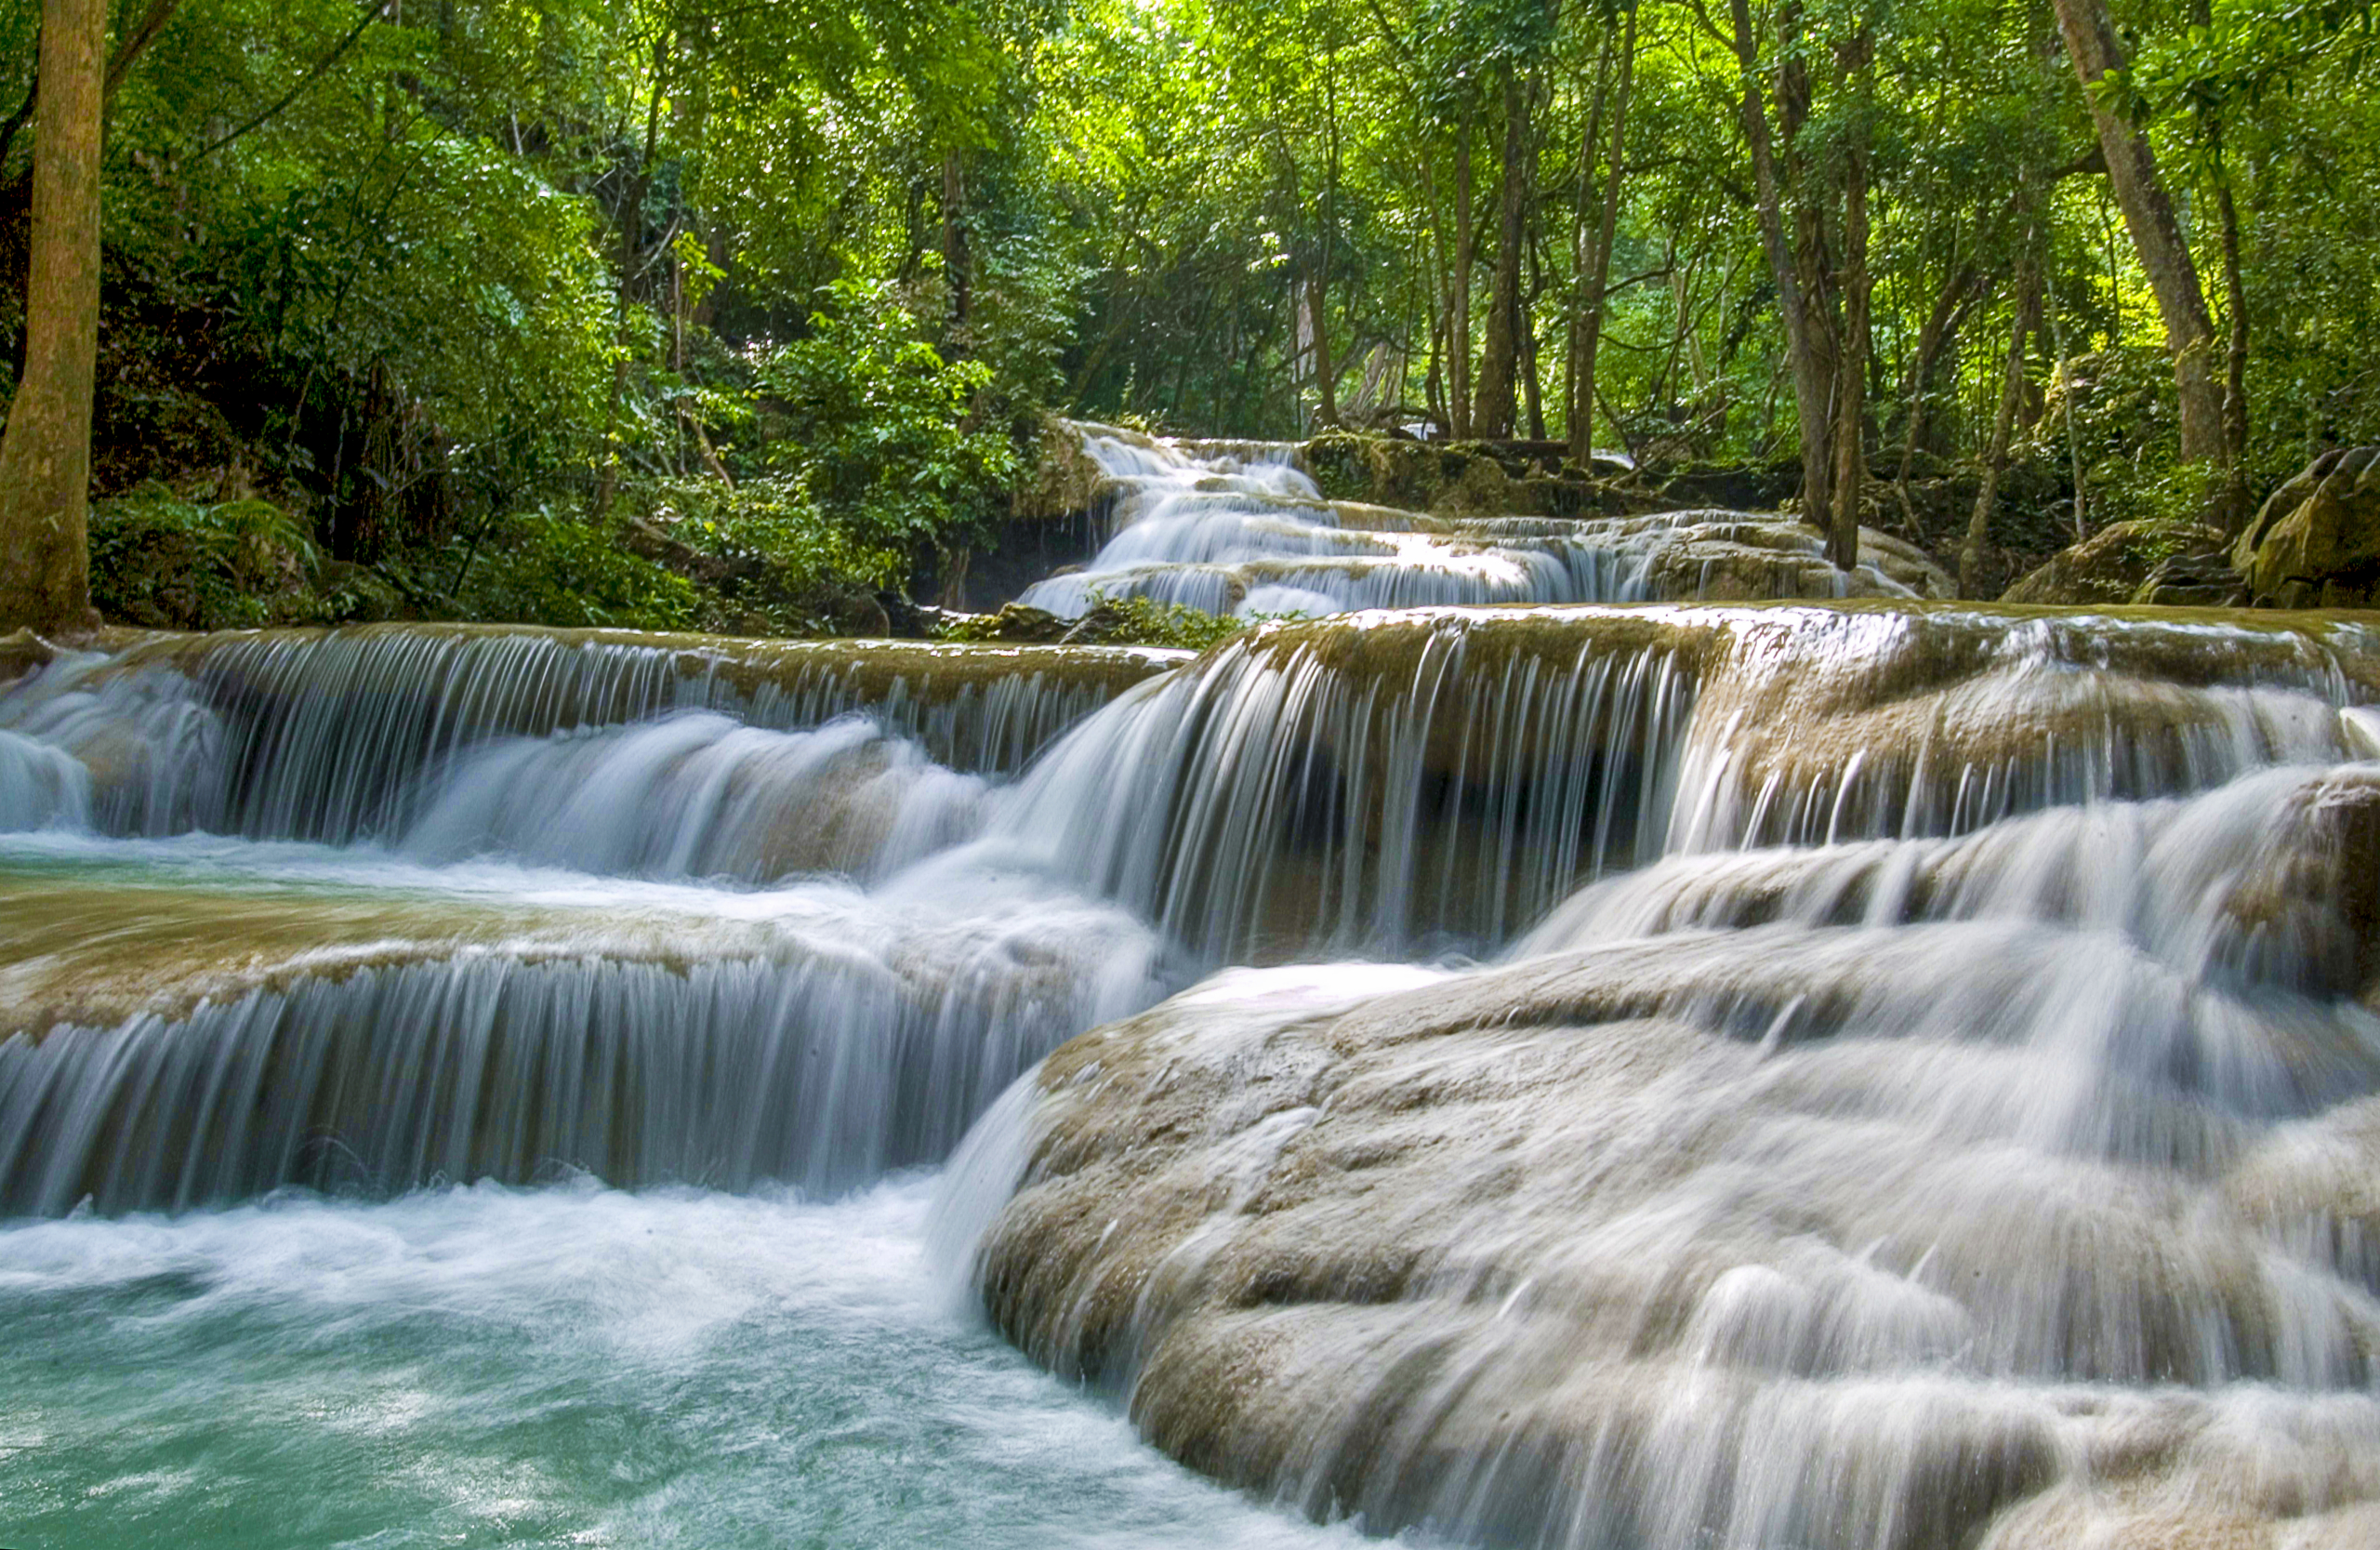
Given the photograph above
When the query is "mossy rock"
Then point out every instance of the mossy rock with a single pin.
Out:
(1063, 479)
(1018, 623)
(1445, 478)
(2113, 565)
(2316, 542)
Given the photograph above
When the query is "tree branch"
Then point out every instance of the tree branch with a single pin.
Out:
(322, 67)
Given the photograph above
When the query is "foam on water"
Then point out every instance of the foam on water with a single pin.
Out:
(569, 1366)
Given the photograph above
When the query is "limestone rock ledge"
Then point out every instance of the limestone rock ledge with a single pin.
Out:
(1776, 1237)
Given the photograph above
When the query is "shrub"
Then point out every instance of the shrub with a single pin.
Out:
(540, 567)
(163, 562)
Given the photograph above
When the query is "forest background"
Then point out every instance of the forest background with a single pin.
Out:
(736, 316)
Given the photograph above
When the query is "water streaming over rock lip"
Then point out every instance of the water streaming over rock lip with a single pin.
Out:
(1438, 779)
(324, 735)
(1958, 1129)
(894, 938)
(1238, 528)
(1931, 1092)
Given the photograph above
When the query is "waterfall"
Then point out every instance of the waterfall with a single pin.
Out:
(323, 735)
(2010, 1188)
(1238, 528)
(1436, 779)
(818, 1036)
(1947, 1112)
(676, 910)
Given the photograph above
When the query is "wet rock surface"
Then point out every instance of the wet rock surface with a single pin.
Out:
(1800, 1235)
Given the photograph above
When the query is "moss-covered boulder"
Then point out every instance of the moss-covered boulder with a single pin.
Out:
(1061, 479)
(2316, 542)
(1451, 478)
(2115, 565)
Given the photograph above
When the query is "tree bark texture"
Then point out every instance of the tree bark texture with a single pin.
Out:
(1491, 412)
(1599, 279)
(2156, 230)
(1325, 375)
(1459, 324)
(46, 453)
(957, 267)
(1812, 358)
(1582, 251)
(1855, 286)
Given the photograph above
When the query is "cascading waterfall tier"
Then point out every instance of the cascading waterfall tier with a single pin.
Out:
(1398, 782)
(378, 908)
(325, 735)
(202, 1015)
(1237, 528)
(2012, 1209)
(188, 1046)
(1954, 1123)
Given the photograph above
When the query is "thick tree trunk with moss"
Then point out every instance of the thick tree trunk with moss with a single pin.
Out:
(2156, 231)
(46, 454)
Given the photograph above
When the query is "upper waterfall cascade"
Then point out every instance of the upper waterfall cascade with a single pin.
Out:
(1237, 528)
(1878, 1074)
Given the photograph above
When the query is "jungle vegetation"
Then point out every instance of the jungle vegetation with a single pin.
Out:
(729, 312)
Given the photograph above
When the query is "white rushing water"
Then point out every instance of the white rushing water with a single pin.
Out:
(1240, 529)
(570, 1366)
(1836, 1078)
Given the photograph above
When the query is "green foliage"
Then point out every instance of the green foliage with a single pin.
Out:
(169, 564)
(1146, 622)
(417, 271)
(767, 521)
(1135, 621)
(877, 437)
(540, 566)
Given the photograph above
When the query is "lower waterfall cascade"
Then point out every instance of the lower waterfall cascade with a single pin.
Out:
(1548, 1069)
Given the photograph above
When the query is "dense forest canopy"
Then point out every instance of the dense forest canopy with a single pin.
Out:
(441, 296)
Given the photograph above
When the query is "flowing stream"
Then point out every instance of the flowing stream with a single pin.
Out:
(1658, 1075)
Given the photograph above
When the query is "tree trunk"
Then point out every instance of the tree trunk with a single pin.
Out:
(1850, 471)
(957, 271)
(1458, 326)
(1959, 291)
(1599, 278)
(2156, 231)
(1325, 410)
(1812, 359)
(2012, 389)
(1491, 412)
(1577, 420)
(2237, 503)
(46, 453)
(631, 259)
(1325, 377)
